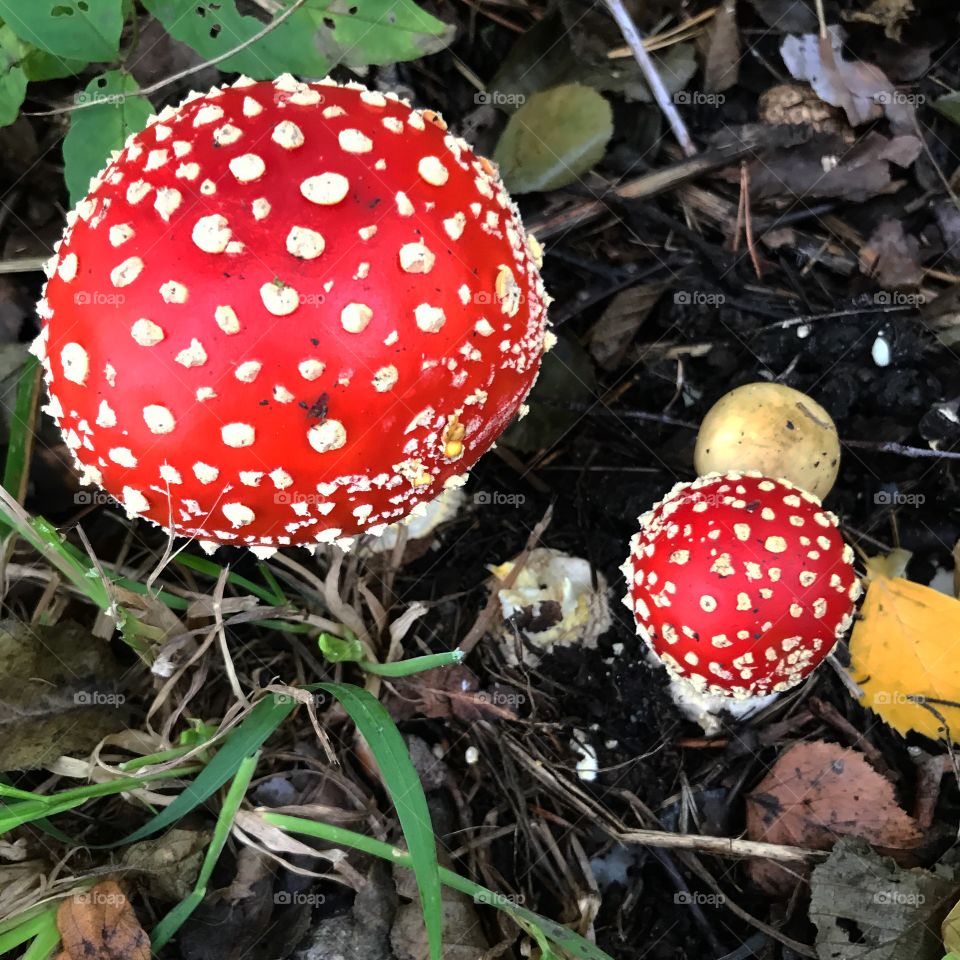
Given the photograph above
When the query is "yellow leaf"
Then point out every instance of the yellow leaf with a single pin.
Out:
(905, 655)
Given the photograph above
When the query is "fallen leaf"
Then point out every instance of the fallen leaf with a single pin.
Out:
(786, 16)
(949, 106)
(903, 656)
(101, 925)
(889, 14)
(861, 89)
(814, 794)
(566, 377)
(463, 937)
(171, 862)
(611, 336)
(865, 906)
(446, 692)
(721, 45)
(826, 166)
(554, 138)
(57, 693)
(950, 930)
(891, 257)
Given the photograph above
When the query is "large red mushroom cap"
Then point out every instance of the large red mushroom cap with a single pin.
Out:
(289, 313)
(740, 583)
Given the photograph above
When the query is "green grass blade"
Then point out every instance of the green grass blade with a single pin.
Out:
(45, 942)
(30, 926)
(27, 811)
(406, 668)
(17, 466)
(406, 792)
(211, 569)
(245, 740)
(570, 942)
(171, 923)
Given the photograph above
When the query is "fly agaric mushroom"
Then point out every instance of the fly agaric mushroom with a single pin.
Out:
(774, 429)
(288, 313)
(740, 584)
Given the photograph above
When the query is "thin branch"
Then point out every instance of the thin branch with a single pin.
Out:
(660, 93)
(160, 84)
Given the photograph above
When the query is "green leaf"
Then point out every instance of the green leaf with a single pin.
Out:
(406, 791)
(566, 377)
(174, 920)
(315, 38)
(338, 650)
(244, 741)
(17, 465)
(949, 106)
(540, 927)
(13, 78)
(95, 131)
(75, 29)
(554, 138)
(40, 65)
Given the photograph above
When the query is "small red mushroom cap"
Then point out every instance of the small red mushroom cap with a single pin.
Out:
(288, 313)
(740, 583)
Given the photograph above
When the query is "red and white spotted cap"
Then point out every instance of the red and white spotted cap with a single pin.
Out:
(740, 583)
(289, 313)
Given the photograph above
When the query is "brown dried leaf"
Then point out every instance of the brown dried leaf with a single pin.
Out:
(721, 50)
(891, 257)
(889, 14)
(828, 167)
(863, 90)
(101, 924)
(816, 793)
(447, 692)
(611, 336)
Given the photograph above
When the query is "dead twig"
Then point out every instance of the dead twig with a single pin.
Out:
(660, 93)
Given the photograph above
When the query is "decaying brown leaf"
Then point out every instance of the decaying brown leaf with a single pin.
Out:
(889, 14)
(721, 50)
(449, 692)
(892, 257)
(862, 90)
(816, 793)
(866, 908)
(611, 336)
(828, 167)
(101, 925)
(794, 103)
